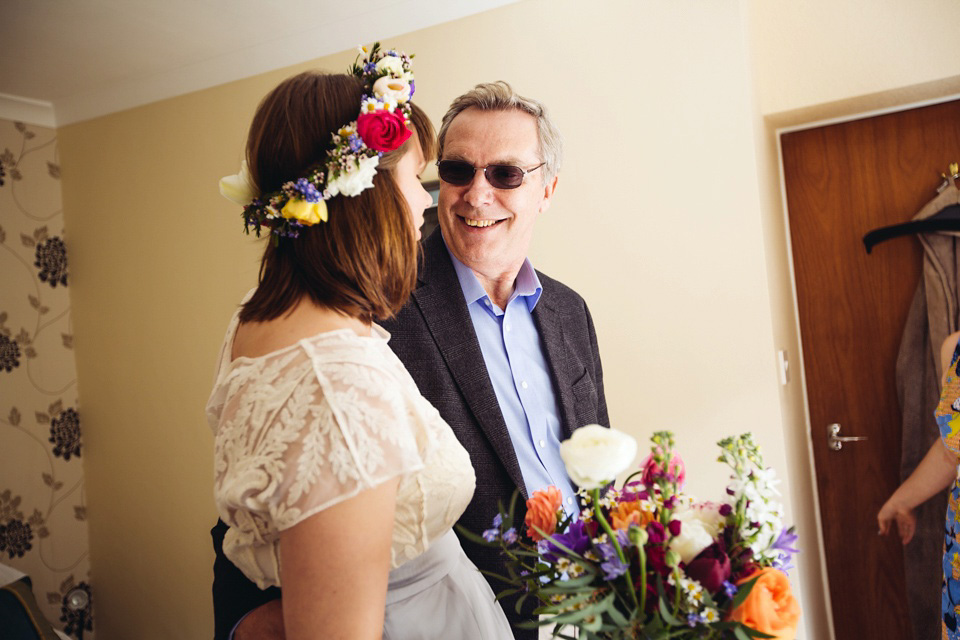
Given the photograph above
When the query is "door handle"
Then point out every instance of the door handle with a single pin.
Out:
(835, 440)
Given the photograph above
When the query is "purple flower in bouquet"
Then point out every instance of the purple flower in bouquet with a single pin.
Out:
(785, 545)
(656, 533)
(574, 538)
(612, 566)
(711, 568)
(633, 492)
(729, 588)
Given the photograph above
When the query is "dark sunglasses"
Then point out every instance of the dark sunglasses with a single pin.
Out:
(500, 176)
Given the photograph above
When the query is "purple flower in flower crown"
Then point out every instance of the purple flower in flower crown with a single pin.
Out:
(309, 192)
(413, 88)
(370, 67)
(355, 142)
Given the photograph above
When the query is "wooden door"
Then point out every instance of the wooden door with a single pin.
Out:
(842, 181)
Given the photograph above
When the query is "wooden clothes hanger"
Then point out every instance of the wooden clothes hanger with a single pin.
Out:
(940, 214)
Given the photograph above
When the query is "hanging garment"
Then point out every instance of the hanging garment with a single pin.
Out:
(931, 318)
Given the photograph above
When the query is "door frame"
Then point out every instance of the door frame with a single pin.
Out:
(796, 409)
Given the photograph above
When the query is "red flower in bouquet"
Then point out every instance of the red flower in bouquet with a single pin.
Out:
(542, 510)
(656, 467)
(711, 568)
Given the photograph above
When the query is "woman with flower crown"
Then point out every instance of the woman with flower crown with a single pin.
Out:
(338, 480)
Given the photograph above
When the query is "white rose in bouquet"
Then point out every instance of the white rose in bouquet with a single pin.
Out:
(594, 455)
(700, 524)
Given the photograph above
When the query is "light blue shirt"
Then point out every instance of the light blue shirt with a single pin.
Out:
(518, 370)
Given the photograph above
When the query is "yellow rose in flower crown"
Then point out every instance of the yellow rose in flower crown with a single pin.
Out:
(308, 213)
(770, 606)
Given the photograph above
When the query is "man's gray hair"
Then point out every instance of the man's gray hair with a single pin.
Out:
(500, 96)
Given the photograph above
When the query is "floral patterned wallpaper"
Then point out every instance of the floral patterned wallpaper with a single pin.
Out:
(42, 514)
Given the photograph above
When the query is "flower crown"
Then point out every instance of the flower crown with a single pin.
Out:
(383, 125)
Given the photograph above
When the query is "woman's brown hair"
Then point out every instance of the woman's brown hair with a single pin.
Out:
(362, 262)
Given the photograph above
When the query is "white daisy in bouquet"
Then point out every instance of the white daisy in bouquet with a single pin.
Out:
(646, 560)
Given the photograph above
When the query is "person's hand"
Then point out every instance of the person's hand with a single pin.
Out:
(263, 623)
(906, 521)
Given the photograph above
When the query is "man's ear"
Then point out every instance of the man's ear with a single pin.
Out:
(548, 190)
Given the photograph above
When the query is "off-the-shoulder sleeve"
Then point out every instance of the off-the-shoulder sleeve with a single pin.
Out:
(315, 437)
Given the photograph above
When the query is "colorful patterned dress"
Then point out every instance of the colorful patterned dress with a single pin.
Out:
(948, 419)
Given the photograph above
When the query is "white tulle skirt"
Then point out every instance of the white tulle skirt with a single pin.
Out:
(442, 594)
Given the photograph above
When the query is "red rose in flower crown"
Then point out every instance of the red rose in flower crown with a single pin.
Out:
(383, 130)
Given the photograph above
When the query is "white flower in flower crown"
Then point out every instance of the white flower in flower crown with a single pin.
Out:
(395, 89)
(355, 178)
(390, 64)
(370, 105)
(238, 188)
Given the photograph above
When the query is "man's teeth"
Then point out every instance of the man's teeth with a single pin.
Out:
(479, 223)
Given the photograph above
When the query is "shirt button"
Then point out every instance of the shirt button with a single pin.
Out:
(507, 327)
(542, 444)
(486, 301)
(569, 500)
(524, 384)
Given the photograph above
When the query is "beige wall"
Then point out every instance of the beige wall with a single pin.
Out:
(661, 220)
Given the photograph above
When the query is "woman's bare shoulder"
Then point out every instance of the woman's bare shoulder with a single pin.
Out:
(256, 339)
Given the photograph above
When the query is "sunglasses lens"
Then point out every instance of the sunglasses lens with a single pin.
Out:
(455, 172)
(505, 176)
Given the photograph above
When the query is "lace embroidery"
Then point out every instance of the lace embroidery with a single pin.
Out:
(303, 429)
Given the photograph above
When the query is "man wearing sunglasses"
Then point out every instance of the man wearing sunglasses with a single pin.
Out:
(507, 355)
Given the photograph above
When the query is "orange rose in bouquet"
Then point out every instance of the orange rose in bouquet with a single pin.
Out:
(542, 510)
(770, 606)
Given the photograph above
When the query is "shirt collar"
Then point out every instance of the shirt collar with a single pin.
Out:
(527, 284)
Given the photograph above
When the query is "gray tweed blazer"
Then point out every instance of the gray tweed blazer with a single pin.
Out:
(434, 338)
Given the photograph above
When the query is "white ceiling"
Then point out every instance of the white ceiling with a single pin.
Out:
(64, 61)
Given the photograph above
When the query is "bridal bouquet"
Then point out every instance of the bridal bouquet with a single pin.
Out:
(647, 560)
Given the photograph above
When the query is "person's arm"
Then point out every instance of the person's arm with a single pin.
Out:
(238, 600)
(937, 471)
(334, 567)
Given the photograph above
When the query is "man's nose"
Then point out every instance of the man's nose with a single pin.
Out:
(479, 191)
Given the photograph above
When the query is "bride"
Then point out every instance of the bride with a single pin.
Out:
(338, 480)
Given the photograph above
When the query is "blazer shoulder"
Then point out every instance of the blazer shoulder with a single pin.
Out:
(557, 291)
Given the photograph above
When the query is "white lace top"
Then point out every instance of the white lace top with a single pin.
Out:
(306, 427)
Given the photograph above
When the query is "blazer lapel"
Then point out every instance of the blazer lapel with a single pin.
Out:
(565, 373)
(440, 300)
